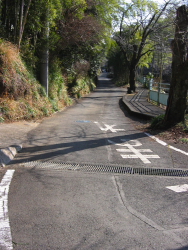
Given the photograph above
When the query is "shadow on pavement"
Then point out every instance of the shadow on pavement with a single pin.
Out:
(36, 152)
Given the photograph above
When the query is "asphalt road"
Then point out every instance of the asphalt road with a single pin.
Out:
(53, 205)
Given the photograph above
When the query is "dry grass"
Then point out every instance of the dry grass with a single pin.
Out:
(175, 134)
(15, 80)
(21, 96)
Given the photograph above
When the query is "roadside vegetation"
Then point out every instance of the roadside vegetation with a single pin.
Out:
(50, 54)
(23, 97)
(153, 46)
(177, 134)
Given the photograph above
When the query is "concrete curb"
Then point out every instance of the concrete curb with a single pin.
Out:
(133, 111)
(8, 154)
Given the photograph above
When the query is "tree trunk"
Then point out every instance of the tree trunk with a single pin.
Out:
(23, 20)
(132, 75)
(176, 107)
(132, 69)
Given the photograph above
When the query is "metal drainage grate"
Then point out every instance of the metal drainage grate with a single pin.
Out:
(114, 169)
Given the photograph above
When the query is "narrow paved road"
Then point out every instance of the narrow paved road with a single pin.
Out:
(56, 205)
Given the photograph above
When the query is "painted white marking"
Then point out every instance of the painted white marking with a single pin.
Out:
(134, 143)
(109, 127)
(166, 145)
(178, 150)
(135, 156)
(136, 152)
(5, 233)
(139, 150)
(145, 150)
(179, 188)
(129, 156)
(123, 150)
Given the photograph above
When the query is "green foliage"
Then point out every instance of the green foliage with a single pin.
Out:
(4, 110)
(138, 31)
(120, 82)
(184, 140)
(75, 56)
(28, 55)
(106, 11)
(117, 62)
(56, 81)
(41, 91)
(77, 7)
(82, 87)
(157, 122)
(57, 85)
(45, 111)
(55, 106)
(2, 119)
(146, 60)
(32, 113)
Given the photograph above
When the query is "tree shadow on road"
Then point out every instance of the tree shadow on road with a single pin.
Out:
(43, 152)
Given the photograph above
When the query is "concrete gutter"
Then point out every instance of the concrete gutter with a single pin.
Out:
(8, 154)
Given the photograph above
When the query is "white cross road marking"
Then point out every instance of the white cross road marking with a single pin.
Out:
(179, 188)
(129, 156)
(128, 150)
(136, 152)
(109, 127)
(5, 233)
(135, 143)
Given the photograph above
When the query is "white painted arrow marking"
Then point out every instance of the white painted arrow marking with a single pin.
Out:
(5, 233)
(136, 152)
(179, 188)
(109, 127)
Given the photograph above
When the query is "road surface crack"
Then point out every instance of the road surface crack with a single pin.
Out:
(142, 217)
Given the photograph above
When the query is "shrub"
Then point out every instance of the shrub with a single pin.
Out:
(157, 122)
(83, 86)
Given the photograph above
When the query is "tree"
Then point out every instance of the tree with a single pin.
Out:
(84, 31)
(176, 107)
(23, 19)
(13, 19)
(136, 28)
(57, 29)
(117, 62)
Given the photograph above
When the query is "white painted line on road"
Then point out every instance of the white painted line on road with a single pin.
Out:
(166, 145)
(143, 159)
(129, 156)
(156, 139)
(179, 188)
(136, 152)
(139, 150)
(123, 150)
(5, 233)
(109, 127)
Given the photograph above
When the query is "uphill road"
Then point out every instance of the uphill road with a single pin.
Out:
(87, 178)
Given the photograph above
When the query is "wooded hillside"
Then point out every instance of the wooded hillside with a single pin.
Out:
(50, 52)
